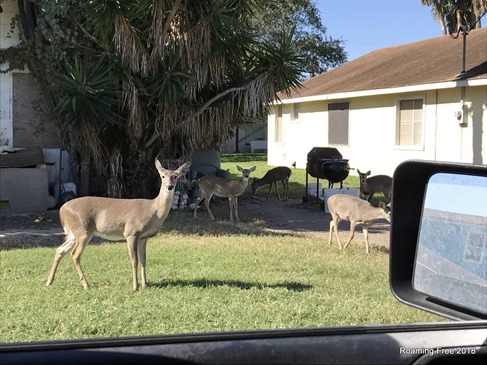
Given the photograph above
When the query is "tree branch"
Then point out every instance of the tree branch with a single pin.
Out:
(200, 111)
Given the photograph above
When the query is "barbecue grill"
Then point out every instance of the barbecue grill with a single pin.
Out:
(326, 163)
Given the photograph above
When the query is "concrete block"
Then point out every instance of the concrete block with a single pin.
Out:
(24, 190)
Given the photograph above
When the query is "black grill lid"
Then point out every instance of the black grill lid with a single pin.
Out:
(320, 153)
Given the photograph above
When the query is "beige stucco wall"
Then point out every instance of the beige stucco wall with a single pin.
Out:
(372, 131)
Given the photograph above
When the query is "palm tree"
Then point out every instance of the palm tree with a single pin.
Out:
(453, 13)
(134, 79)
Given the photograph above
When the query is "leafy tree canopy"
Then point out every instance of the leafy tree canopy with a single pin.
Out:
(130, 80)
(319, 51)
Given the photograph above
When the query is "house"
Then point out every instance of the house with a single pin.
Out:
(30, 173)
(422, 100)
(250, 137)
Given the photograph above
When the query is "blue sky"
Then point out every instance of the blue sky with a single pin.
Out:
(457, 193)
(369, 25)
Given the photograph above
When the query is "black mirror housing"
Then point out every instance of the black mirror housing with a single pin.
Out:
(409, 187)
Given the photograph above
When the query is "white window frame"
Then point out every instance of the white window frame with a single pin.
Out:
(418, 147)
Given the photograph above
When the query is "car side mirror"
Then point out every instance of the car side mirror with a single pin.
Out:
(438, 249)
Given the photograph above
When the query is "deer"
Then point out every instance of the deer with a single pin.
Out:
(133, 220)
(214, 185)
(375, 184)
(356, 211)
(271, 177)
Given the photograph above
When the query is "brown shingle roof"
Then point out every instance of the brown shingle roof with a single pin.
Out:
(430, 61)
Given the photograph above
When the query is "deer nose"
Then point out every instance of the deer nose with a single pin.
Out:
(170, 187)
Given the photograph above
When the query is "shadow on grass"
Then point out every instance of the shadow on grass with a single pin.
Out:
(183, 222)
(205, 283)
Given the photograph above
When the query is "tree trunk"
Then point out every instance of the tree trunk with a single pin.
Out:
(74, 164)
(85, 167)
(237, 136)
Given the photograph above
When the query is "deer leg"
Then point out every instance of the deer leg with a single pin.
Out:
(334, 226)
(230, 206)
(270, 190)
(132, 243)
(207, 205)
(233, 203)
(198, 201)
(352, 233)
(285, 183)
(81, 242)
(141, 250)
(277, 189)
(366, 234)
(235, 207)
(60, 252)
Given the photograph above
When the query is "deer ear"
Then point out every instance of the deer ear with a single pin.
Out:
(239, 168)
(183, 168)
(158, 165)
(367, 173)
(253, 168)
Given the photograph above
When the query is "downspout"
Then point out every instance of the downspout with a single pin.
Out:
(463, 120)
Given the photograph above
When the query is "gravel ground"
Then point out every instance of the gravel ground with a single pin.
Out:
(294, 216)
(289, 217)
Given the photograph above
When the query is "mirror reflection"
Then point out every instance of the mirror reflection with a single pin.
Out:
(451, 254)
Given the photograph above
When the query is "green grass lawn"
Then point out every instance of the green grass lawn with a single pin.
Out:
(204, 276)
(297, 182)
(198, 283)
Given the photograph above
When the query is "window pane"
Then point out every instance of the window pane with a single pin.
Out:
(278, 131)
(410, 123)
(338, 123)
(295, 113)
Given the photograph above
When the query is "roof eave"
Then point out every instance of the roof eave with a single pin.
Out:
(387, 91)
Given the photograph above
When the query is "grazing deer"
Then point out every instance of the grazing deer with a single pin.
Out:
(356, 211)
(214, 185)
(271, 177)
(134, 220)
(375, 184)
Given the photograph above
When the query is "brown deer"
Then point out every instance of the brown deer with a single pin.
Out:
(214, 185)
(356, 211)
(375, 184)
(271, 177)
(134, 220)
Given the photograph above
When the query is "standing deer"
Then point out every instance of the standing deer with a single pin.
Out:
(134, 220)
(271, 177)
(375, 184)
(214, 185)
(356, 211)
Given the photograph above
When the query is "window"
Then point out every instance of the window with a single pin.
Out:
(295, 113)
(338, 123)
(409, 131)
(278, 127)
